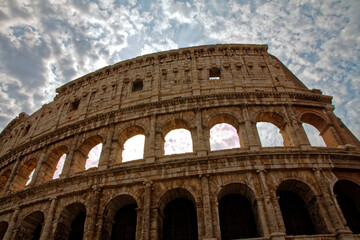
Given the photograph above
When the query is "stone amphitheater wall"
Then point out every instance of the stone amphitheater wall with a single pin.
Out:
(195, 89)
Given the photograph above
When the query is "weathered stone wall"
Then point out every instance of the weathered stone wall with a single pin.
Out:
(193, 88)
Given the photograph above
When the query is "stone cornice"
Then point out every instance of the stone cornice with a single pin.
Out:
(246, 161)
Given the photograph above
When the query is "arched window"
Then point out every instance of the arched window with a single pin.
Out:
(295, 214)
(30, 177)
(59, 166)
(133, 148)
(236, 217)
(299, 208)
(71, 222)
(223, 136)
(3, 228)
(269, 134)
(313, 135)
(31, 226)
(348, 197)
(93, 157)
(87, 155)
(180, 220)
(322, 126)
(178, 141)
(124, 226)
(120, 218)
(24, 175)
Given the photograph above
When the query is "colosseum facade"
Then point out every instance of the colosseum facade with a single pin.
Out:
(294, 191)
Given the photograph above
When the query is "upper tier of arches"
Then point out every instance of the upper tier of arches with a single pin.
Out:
(239, 130)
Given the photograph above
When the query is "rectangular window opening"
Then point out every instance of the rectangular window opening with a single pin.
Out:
(214, 74)
(137, 86)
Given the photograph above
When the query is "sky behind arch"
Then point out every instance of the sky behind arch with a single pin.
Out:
(45, 44)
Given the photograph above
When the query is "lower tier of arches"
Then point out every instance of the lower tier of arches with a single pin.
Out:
(202, 200)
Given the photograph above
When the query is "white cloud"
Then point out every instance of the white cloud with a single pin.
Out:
(48, 43)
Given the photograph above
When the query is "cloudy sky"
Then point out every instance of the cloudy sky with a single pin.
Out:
(47, 43)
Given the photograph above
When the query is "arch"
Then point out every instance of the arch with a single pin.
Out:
(267, 121)
(3, 228)
(269, 134)
(125, 135)
(4, 177)
(49, 167)
(322, 126)
(223, 118)
(300, 209)
(179, 217)
(280, 122)
(348, 198)
(70, 224)
(30, 227)
(313, 135)
(81, 154)
(238, 213)
(174, 126)
(271, 117)
(223, 136)
(115, 223)
(23, 174)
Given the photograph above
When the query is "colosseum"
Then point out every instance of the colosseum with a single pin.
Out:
(293, 191)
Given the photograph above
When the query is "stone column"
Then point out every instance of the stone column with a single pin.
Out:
(49, 218)
(297, 132)
(38, 167)
(209, 234)
(12, 175)
(12, 224)
(69, 159)
(201, 149)
(146, 210)
(342, 232)
(91, 216)
(251, 131)
(105, 154)
(149, 150)
(272, 218)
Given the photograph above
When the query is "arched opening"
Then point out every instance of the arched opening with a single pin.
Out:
(3, 179)
(178, 217)
(59, 166)
(269, 134)
(178, 141)
(236, 218)
(348, 197)
(124, 226)
(238, 212)
(177, 137)
(3, 228)
(49, 170)
(83, 160)
(325, 130)
(30, 227)
(71, 222)
(93, 157)
(299, 208)
(295, 214)
(313, 135)
(133, 148)
(30, 177)
(24, 175)
(223, 136)
(120, 218)
(131, 144)
(180, 220)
